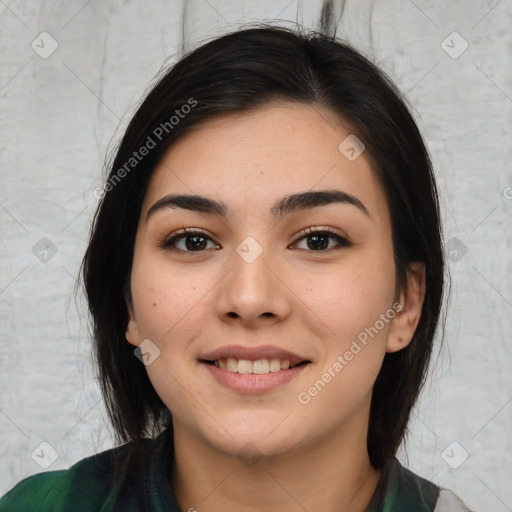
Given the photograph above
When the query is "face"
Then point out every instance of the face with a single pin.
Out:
(284, 260)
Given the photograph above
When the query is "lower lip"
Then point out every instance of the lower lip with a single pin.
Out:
(251, 382)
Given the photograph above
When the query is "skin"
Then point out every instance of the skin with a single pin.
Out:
(314, 303)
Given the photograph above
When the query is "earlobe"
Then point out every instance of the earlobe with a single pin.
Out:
(132, 332)
(408, 315)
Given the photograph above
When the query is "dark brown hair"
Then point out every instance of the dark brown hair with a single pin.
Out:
(237, 72)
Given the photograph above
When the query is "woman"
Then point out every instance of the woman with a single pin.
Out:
(266, 264)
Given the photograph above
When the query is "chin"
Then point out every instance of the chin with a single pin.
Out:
(255, 436)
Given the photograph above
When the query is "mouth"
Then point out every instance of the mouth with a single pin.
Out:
(258, 367)
(251, 370)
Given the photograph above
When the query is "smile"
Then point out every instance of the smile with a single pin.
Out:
(253, 369)
(258, 367)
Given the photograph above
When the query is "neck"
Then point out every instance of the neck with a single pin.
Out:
(330, 475)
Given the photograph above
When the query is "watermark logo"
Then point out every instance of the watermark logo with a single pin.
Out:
(249, 454)
(147, 352)
(44, 45)
(456, 249)
(44, 455)
(454, 45)
(352, 147)
(249, 249)
(44, 250)
(454, 455)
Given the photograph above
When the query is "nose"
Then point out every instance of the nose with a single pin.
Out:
(251, 293)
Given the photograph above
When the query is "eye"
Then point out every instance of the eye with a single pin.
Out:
(312, 239)
(319, 240)
(188, 241)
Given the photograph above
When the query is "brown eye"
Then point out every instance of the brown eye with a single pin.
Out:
(189, 242)
(319, 241)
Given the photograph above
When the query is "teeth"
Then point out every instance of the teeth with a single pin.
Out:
(245, 366)
(232, 364)
(275, 365)
(259, 367)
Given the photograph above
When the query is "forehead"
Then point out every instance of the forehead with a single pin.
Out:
(252, 159)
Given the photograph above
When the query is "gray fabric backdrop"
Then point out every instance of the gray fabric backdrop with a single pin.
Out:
(72, 70)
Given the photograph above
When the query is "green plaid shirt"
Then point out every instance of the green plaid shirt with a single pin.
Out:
(88, 487)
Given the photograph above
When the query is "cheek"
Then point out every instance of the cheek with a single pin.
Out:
(350, 302)
(169, 309)
(352, 297)
(350, 305)
(165, 301)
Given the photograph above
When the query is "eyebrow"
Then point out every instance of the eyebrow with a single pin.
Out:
(286, 205)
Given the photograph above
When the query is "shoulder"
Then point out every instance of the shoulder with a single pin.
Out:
(408, 492)
(84, 487)
(426, 495)
(448, 501)
(38, 492)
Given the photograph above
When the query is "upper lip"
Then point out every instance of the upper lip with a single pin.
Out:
(253, 354)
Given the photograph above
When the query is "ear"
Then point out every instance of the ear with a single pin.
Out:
(132, 331)
(408, 313)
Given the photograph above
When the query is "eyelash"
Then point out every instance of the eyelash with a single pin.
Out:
(169, 241)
